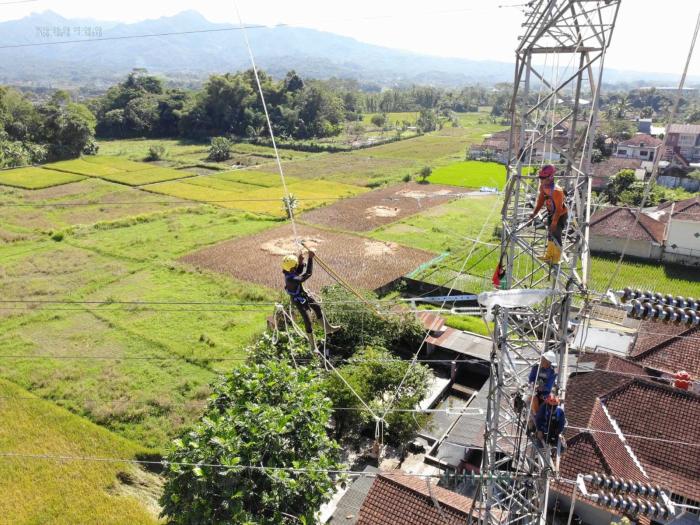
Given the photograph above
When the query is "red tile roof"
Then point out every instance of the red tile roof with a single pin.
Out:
(612, 363)
(620, 222)
(685, 210)
(400, 498)
(668, 347)
(600, 405)
(642, 139)
(650, 409)
(602, 171)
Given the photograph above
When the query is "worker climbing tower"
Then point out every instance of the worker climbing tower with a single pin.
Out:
(558, 72)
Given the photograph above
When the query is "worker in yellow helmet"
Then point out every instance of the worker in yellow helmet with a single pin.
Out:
(553, 197)
(295, 274)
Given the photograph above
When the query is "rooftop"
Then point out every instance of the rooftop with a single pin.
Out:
(412, 500)
(685, 210)
(610, 167)
(635, 428)
(620, 222)
(642, 139)
(667, 347)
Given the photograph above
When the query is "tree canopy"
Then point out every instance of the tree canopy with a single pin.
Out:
(268, 415)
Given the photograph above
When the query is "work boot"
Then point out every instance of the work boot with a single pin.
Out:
(555, 255)
(547, 257)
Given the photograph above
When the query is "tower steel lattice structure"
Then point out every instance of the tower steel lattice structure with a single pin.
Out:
(554, 106)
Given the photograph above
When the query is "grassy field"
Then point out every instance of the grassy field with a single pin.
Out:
(130, 386)
(166, 236)
(35, 178)
(67, 492)
(188, 152)
(471, 174)
(446, 227)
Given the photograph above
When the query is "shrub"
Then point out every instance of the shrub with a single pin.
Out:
(424, 173)
(155, 152)
(406, 178)
(220, 149)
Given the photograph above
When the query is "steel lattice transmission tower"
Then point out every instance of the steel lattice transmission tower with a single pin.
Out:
(559, 64)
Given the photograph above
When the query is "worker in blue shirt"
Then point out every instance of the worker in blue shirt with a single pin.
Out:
(295, 274)
(542, 378)
(550, 421)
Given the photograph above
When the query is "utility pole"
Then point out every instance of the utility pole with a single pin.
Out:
(558, 72)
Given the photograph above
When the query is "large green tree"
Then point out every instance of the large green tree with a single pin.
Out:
(267, 415)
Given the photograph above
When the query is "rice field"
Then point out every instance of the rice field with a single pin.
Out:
(68, 492)
(255, 198)
(32, 178)
(150, 175)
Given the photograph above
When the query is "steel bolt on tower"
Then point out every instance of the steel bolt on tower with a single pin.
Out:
(559, 61)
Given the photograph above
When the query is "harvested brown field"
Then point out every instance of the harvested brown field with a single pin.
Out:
(364, 263)
(377, 208)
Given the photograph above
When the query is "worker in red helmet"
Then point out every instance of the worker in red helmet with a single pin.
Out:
(550, 421)
(553, 198)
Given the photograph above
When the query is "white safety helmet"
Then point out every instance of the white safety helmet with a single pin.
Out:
(551, 357)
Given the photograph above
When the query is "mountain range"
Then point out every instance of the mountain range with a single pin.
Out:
(34, 51)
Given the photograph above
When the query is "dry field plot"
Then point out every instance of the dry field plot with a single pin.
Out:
(376, 208)
(364, 263)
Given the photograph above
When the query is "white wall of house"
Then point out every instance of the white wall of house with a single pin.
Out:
(685, 235)
(636, 152)
(682, 245)
(635, 248)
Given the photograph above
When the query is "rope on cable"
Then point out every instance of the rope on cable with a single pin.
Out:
(344, 283)
(287, 199)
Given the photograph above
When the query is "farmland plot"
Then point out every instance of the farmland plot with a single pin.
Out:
(364, 263)
(32, 178)
(371, 210)
(98, 201)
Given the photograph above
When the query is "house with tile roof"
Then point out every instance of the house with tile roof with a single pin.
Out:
(603, 171)
(611, 226)
(396, 497)
(630, 426)
(683, 234)
(667, 348)
(641, 146)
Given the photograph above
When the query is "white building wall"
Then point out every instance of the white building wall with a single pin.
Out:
(635, 248)
(685, 235)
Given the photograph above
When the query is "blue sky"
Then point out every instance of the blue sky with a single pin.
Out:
(650, 35)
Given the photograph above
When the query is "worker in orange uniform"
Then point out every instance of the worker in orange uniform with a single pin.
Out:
(552, 196)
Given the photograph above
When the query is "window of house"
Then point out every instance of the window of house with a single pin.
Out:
(643, 153)
(686, 140)
(622, 152)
